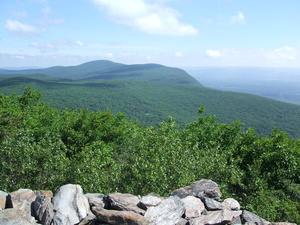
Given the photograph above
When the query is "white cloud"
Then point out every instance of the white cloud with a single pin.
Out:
(213, 53)
(239, 18)
(79, 43)
(178, 54)
(286, 52)
(149, 17)
(22, 29)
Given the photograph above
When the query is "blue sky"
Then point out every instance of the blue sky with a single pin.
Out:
(181, 33)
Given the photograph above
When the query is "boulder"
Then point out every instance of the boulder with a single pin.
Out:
(168, 212)
(248, 217)
(125, 202)
(70, 205)
(43, 209)
(3, 197)
(16, 217)
(211, 204)
(231, 203)
(223, 216)
(22, 200)
(119, 217)
(194, 207)
(202, 188)
(97, 200)
(151, 199)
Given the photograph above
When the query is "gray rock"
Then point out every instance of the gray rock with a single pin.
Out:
(70, 205)
(22, 200)
(182, 222)
(125, 202)
(15, 217)
(43, 209)
(119, 217)
(168, 212)
(250, 217)
(202, 188)
(214, 217)
(194, 207)
(150, 200)
(237, 217)
(88, 220)
(211, 204)
(231, 203)
(97, 200)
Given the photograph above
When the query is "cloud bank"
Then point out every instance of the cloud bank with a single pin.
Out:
(147, 16)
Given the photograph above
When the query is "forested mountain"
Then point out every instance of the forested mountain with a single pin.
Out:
(150, 93)
(103, 69)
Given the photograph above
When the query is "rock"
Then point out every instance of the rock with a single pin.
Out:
(125, 202)
(97, 200)
(223, 216)
(70, 205)
(211, 204)
(168, 212)
(151, 199)
(231, 203)
(182, 222)
(88, 220)
(43, 209)
(3, 197)
(15, 217)
(250, 217)
(194, 207)
(22, 200)
(119, 217)
(237, 217)
(202, 188)
(48, 194)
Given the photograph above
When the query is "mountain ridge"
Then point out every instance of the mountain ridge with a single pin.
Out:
(150, 93)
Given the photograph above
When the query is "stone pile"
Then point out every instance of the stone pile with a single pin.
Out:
(197, 204)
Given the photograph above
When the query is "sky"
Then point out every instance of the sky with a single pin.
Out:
(178, 33)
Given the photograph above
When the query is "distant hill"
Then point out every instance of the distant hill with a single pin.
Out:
(150, 93)
(104, 69)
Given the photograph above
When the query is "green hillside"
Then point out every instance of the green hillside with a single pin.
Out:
(151, 102)
(103, 69)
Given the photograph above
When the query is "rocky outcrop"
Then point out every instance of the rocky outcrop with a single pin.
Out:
(197, 204)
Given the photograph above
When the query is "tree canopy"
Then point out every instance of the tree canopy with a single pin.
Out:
(43, 148)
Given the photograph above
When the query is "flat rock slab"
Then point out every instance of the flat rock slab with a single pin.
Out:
(214, 217)
(22, 199)
(125, 202)
(15, 217)
(119, 217)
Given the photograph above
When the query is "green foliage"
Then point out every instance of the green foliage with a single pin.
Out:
(44, 148)
(151, 102)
